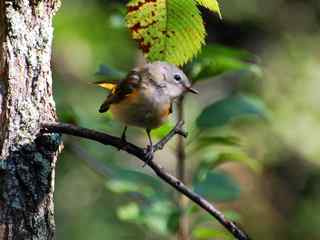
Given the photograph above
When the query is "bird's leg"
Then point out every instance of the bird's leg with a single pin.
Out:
(123, 136)
(149, 150)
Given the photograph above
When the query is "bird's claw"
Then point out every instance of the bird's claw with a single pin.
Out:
(123, 142)
(149, 153)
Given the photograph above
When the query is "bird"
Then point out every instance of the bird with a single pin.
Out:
(144, 98)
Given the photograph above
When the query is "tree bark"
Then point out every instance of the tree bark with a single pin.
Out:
(27, 158)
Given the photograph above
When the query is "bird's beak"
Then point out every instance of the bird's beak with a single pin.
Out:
(192, 90)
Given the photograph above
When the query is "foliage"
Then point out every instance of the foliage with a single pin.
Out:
(223, 111)
(212, 145)
(216, 59)
(168, 30)
(217, 186)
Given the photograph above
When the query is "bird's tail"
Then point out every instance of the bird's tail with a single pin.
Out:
(104, 107)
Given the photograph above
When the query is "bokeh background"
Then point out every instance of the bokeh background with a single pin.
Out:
(279, 198)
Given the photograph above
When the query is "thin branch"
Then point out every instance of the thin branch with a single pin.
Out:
(177, 130)
(140, 153)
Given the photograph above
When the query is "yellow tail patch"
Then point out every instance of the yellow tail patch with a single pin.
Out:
(105, 85)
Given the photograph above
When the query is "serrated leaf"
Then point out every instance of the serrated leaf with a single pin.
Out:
(212, 5)
(218, 186)
(222, 112)
(168, 30)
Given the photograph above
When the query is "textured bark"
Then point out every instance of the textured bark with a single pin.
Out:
(27, 158)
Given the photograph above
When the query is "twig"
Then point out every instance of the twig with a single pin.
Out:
(176, 130)
(140, 153)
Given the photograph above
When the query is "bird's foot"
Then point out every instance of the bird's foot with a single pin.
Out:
(123, 141)
(149, 152)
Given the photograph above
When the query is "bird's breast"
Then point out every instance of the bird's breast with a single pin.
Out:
(142, 108)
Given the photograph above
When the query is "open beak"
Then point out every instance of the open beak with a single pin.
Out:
(192, 90)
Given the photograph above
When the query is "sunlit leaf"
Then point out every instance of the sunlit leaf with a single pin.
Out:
(163, 130)
(129, 212)
(222, 112)
(212, 5)
(168, 30)
(218, 186)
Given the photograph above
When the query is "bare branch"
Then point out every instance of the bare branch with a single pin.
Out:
(140, 153)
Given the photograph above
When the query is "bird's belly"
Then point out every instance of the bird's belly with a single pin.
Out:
(141, 113)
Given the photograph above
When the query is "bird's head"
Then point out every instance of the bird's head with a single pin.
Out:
(172, 79)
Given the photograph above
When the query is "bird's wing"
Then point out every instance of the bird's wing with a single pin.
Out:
(121, 90)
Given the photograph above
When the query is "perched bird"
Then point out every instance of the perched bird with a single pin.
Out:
(145, 96)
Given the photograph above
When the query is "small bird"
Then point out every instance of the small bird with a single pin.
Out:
(145, 96)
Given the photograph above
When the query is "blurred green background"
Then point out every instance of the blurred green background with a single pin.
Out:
(270, 186)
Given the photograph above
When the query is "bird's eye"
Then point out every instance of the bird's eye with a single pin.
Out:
(177, 77)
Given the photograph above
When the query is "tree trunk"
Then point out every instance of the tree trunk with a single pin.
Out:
(27, 158)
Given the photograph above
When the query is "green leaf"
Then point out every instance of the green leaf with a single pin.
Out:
(213, 157)
(162, 131)
(218, 186)
(130, 212)
(202, 233)
(156, 215)
(173, 220)
(207, 141)
(216, 59)
(212, 5)
(238, 156)
(222, 112)
(124, 181)
(167, 30)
